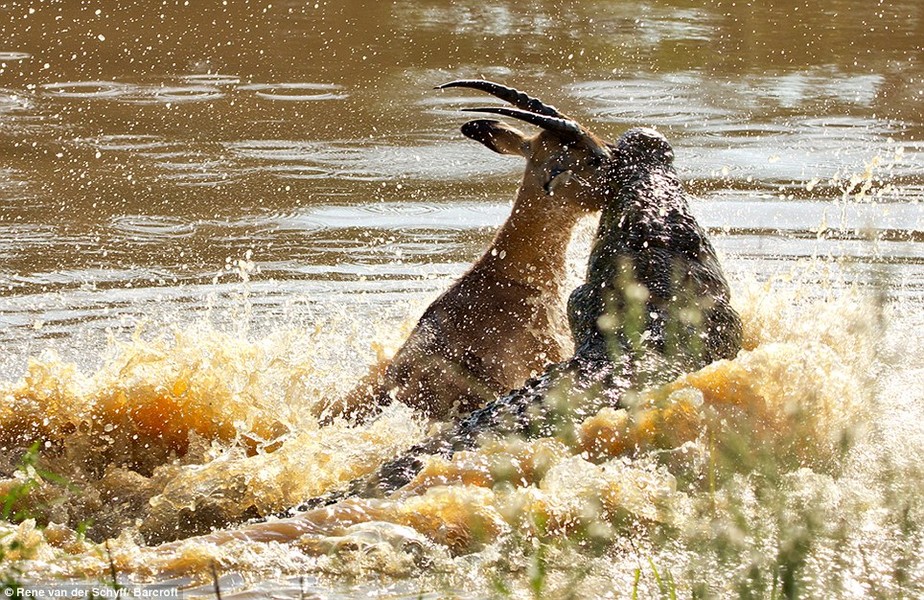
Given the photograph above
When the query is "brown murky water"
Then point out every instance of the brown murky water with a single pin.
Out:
(214, 214)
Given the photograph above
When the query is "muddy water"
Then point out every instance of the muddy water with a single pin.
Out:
(215, 215)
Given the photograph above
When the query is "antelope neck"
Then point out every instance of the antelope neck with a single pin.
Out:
(530, 246)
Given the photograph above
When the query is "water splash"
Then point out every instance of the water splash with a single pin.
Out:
(203, 429)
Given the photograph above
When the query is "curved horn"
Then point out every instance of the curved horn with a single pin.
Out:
(562, 126)
(507, 94)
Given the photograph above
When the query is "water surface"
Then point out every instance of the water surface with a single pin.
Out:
(252, 199)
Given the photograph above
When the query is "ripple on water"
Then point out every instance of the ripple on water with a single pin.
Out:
(797, 150)
(364, 161)
(670, 100)
(214, 79)
(297, 171)
(14, 56)
(296, 159)
(196, 174)
(86, 89)
(278, 150)
(405, 216)
(19, 236)
(127, 141)
(172, 94)
(152, 228)
(133, 93)
(11, 100)
(819, 84)
(296, 92)
(493, 19)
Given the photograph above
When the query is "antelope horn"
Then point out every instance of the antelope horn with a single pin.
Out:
(507, 94)
(562, 126)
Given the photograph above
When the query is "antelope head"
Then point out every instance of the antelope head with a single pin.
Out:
(564, 160)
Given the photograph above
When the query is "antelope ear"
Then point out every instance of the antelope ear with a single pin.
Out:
(497, 136)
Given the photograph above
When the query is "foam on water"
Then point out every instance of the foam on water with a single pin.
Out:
(808, 432)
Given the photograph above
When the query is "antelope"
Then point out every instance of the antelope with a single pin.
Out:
(497, 324)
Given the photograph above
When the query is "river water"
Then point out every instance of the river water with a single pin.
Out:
(215, 215)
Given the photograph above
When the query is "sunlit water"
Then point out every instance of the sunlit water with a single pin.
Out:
(215, 217)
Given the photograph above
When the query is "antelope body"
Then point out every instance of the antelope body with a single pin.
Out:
(498, 323)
